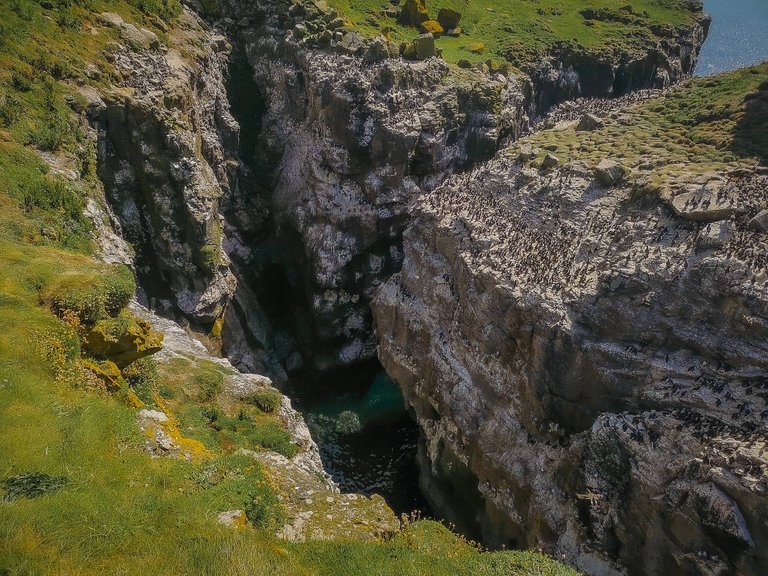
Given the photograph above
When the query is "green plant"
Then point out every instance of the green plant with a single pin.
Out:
(209, 259)
(143, 378)
(263, 508)
(267, 399)
(348, 422)
(91, 297)
(32, 485)
(209, 382)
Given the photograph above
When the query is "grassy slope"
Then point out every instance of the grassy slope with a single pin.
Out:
(521, 30)
(712, 123)
(120, 511)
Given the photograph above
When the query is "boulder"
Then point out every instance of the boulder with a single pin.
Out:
(527, 153)
(424, 45)
(464, 63)
(431, 27)
(122, 340)
(760, 222)
(408, 50)
(413, 13)
(377, 51)
(233, 519)
(550, 161)
(589, 122)
(449, 19)
(609, 172)
(107, 372)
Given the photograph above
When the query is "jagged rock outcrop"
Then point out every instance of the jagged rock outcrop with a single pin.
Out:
(588, 364)
(167, 154)
(358, 133)
(569, 71)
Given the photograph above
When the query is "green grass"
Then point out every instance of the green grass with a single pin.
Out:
(523, 30)
(108, 508)
(194, 392)
(710, 123)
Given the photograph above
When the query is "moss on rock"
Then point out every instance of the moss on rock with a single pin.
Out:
(123, 339)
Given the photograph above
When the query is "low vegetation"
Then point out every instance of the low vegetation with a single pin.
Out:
(716, 122)
(522, 31)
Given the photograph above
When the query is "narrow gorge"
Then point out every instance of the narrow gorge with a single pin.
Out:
(509, 290)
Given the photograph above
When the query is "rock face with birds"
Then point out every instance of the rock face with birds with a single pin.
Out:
(588, 363)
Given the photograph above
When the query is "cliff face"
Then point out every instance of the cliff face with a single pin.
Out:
(588, 364)
(354, 134)
(167, 154)
(357, 133)
(350, 135)
(571, 72)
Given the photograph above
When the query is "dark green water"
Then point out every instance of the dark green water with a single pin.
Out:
(367, 439)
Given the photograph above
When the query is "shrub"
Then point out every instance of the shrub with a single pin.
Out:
(209, 259)
(31, 485)
(348, 422)
(90, 298)
(210, 382)
(142, 376)
(267, 400)
(272, 436)
(263, 508)
(165, 9)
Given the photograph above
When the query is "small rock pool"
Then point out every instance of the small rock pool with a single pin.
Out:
(367, 440)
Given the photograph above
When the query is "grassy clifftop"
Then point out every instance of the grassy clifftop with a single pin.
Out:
(523, 30)
(714, 123)
(79, 494)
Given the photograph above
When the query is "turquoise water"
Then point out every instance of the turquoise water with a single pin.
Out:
(738, 36)
(367, 440)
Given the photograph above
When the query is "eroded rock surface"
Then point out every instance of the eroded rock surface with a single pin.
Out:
(357, 133)
(589, 364)
(167, 154)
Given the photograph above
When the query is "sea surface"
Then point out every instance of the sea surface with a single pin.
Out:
(367, 440)
(738, 36)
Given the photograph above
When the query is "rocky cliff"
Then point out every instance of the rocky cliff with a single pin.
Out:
(313, 203)
(583, 343)
(357, 133)
(353, 133)
(167, 154)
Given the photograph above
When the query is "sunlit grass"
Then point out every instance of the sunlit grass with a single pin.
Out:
(521, 30)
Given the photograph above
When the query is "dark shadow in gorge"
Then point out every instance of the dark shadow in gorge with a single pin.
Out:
(357, 415)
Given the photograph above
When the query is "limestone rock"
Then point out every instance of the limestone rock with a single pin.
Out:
(390, 128)
(431, 27)
(449, 19)
(167, 150)
(107, 372)
(233, 519)
(413, 13)
(424, 45)
(610, 397)
(550, 161)
(759, 222)
(589, 122)
(122, 340)
(609, 172)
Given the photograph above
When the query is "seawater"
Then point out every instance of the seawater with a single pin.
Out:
(738, 36)
(367, 440)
